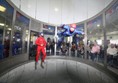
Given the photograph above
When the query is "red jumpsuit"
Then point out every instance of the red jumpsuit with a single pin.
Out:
(41, 45)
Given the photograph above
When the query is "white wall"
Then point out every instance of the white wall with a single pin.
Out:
(16, 2)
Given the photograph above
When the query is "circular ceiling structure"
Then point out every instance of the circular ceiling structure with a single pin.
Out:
(61, 11)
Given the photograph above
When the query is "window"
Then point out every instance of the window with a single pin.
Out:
(20, 35)
(6, 16)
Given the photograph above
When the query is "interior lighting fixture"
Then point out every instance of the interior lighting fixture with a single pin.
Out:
(9, 29)
(98, 25)
(2, 8)
(56, 9)
(2, 24)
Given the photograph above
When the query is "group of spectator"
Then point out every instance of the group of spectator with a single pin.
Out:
(71, 48)
(112, 55)
(95, 52)
(50, 46)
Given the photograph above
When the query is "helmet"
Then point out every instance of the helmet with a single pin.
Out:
(41, 34)
(73, 25)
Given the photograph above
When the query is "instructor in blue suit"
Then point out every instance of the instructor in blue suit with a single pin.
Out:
(69, 30)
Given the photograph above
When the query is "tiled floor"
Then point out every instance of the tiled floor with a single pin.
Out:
(56, 71)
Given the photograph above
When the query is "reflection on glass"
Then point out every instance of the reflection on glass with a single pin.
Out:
(1, 45)
(2, 8)
(20, 39)
(112, 35)
(7, 43)
(6, 15)
(78, 41)
(17, 42)
(48, 29)
(32, 46)
(95, 40)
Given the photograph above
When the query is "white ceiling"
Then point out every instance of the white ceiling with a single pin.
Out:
(67, 11)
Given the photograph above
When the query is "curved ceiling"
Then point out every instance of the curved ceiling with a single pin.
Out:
(61, 11)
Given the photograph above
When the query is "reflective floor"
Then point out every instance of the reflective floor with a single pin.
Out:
(56, 71)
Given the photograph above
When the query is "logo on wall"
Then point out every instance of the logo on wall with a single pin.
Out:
(48, 29)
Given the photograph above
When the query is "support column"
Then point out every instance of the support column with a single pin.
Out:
(105, 40)
(85, 40)
(12, 32)
(28, 43)
(41, 27)
(55, 40)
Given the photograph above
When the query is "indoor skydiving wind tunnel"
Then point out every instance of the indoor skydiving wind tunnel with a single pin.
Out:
(87, 54)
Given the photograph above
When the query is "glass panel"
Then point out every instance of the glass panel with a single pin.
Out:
(69, 42)
(1, 36)
(49, 32)
(95, 40)
(78, 40)
(6, 15)
(35, 28)
(1, 45)
(2, 24)
(112, 35)
(32, 46)
(20, 34)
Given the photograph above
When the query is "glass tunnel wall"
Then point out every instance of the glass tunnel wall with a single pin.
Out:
(111, 17)
(112, 24)
(34, 31)
(6, 17)
(17, 32)
(95, 35)
(20, 34)
(13, 36)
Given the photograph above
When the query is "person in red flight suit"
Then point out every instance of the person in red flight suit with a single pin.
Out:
(41, 47)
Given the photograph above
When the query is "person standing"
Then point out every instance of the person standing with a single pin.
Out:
(111, 54)
(41, 47)
(95, 51)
